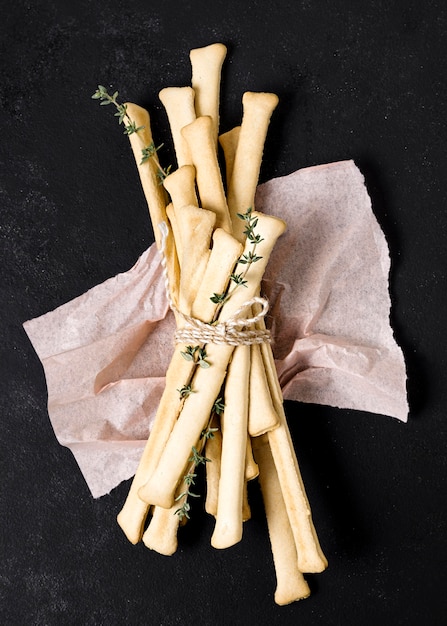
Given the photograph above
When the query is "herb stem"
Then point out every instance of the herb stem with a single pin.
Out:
(130, 128)
(238, 280)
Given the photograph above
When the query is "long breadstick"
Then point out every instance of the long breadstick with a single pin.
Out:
(226, 250)
(213, 452)
(258, 108)
(179, 105)
(199, 137)
(228, 528)
(206, 64)
(291, 585)
(161, 533)
(153, 191)
(310, 556)
(197, 408)
(262, 416)
(257, 111)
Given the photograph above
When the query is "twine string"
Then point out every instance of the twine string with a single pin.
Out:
(235, 331)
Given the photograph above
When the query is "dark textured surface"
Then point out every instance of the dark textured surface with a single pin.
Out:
(356, 80)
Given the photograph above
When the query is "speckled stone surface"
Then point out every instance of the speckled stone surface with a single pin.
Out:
(355, 80)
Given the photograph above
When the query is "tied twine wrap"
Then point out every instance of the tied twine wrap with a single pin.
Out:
(233, 331)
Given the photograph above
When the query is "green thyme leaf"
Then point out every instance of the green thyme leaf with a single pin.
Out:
(218, 298)
(219, 406)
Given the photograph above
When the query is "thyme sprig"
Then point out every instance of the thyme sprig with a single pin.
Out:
(130, 127)
(238, 280)
(196, 459)
(218, 407)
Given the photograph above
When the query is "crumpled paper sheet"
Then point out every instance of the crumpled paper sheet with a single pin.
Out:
(105, 353)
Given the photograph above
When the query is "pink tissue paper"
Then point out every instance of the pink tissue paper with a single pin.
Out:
(106, 352)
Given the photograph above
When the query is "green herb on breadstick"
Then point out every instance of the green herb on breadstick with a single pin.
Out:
(196, 354)
(130, 127)
(249, 257)
(196, 459)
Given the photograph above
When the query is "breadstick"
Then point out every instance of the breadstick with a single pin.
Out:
(228, 142)
(310, 556)
(161, 533)
(258, 108)
(179, 105)
(181, 186)
(226, 250)
(262, 417)
(153, 191)
(196, 410)
(206, 64)
(206, 383)
(199, 138)
(228, 528)
(291, 585)
(224, 254)
(213, 451)
(195, 229)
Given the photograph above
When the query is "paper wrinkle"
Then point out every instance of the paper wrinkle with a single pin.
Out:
(106, 352)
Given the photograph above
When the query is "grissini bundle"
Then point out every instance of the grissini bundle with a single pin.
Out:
(222, 403)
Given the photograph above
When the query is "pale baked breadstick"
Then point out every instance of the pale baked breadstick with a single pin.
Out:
(213, 452)
(262, 417)
(291, 585)
(199, 138)
(258, 108)
(228, 528)
(226, 250)
(206, 383)
(161, 533)
(310, 556)
(206, 64)
(153, 191)
(179, 105)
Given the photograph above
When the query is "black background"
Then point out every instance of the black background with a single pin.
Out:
(360, 80)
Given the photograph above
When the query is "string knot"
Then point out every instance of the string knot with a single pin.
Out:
(235, 331)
